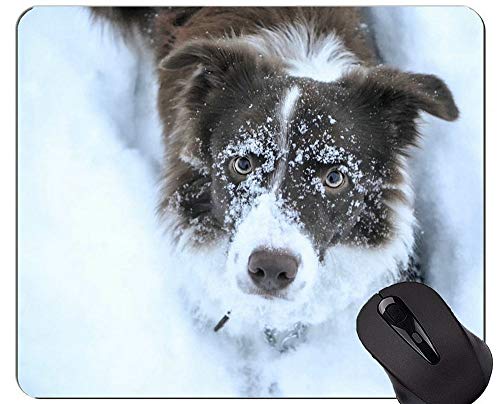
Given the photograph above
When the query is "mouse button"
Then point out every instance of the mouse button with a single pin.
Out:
(396, 313)
(458, 373)
(373, 331)
(386, 345)
(412, 293)
(392, 352)
(398, 289)
(416, 337)
(418, 299)
(425, 345)
(404, 287)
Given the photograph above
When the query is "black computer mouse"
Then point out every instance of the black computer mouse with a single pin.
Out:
(429, 356)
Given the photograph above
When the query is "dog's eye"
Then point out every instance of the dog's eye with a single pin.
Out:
(334, 178)
(242, 165)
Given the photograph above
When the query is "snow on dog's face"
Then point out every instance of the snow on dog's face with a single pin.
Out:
(297, 186)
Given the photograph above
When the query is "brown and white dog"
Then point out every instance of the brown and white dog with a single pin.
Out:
(286, 148)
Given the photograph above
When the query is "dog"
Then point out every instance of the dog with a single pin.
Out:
(285, 176)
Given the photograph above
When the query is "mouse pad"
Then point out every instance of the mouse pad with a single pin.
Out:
(208, 196)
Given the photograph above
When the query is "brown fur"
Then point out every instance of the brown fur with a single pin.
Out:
(215, 23)
(218, 22)
(196, 60)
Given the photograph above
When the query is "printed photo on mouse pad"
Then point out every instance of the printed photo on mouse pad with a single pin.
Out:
(207, 196)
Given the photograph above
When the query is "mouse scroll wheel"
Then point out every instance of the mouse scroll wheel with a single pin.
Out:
(395, 313)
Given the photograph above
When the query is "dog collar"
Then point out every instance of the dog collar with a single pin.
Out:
(285, 340)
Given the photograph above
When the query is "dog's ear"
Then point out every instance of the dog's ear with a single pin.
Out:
(403, 95)
(200, 53)
(224, 65)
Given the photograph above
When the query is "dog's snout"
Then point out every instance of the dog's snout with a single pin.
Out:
(272, 270)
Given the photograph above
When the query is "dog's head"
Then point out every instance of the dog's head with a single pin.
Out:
(303, 181)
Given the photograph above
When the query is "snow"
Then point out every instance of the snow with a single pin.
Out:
(448, 169)
(92, 320)
(98, 310)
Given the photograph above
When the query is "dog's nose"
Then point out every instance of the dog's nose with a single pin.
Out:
(272, 270)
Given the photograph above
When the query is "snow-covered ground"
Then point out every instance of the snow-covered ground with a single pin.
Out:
(98, 315)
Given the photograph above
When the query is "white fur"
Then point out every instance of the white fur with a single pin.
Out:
(277, 230)
(286, 112)
(288, 105)
(363, 271)
(322, 58)
(218, 281)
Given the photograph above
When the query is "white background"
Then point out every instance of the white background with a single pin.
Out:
(8, 384)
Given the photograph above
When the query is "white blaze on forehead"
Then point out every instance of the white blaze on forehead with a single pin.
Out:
(286, 111)
(288, 105)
